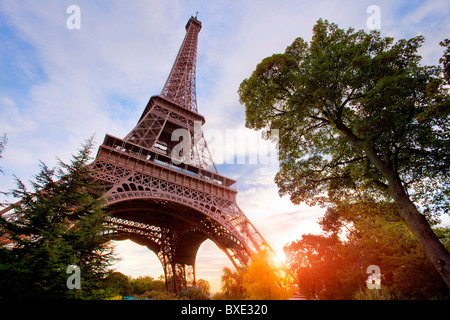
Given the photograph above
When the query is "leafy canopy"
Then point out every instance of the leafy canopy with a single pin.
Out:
(264, 280)
(343, 97)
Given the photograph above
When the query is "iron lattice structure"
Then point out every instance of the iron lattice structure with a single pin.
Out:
(172, 207)
(180, 85)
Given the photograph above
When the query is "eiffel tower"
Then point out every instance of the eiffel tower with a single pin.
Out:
(168, 198)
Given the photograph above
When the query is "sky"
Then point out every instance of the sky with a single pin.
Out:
(61, 85)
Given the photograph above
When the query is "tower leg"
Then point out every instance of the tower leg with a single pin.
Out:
(177, 275)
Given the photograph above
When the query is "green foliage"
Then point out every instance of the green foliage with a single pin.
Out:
(329, 266)
(232, 287)
(373, 294)
(359, 119)
(158, 295)
(445, 60)
(118, 284)
(147, 288)
(218, 296)
(261, 280)
(193, 293)
(146, 283)
(315, 263)
(58, 224)
(339, 96)
(204, 286)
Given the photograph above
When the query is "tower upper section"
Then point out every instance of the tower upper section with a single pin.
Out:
(180, 86)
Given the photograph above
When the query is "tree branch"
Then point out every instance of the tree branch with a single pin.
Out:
(280, 112)
(282, 87)
(320, 119)
(326, 179)
(381, 184)
(340, 163)
(341, 107)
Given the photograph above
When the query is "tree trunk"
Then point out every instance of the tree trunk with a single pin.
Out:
(414, 220)
(419, 226)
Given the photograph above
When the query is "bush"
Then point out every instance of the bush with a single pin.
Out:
(157, 295)
(373, 294)
(193, 293)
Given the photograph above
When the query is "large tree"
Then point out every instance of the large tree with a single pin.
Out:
(329, 266)
(263, 279)
(232, 287)
(358, 115)
(314, 261)
(60, 222)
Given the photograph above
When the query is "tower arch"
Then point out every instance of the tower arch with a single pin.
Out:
(174, 231)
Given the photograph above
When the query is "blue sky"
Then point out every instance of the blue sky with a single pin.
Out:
(60, 86)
